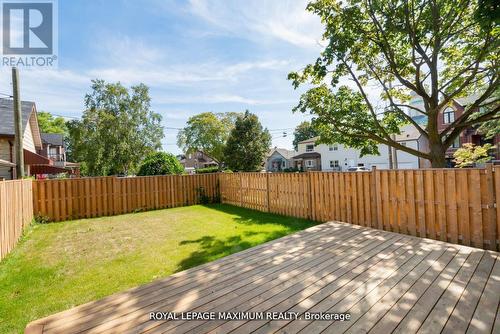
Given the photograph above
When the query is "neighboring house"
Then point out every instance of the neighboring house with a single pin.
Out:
(337, 157)
(54, 148)
(196, 160)
(308, 155)
(279, 159)
(446, 117)
(469, 135)
(32, 141)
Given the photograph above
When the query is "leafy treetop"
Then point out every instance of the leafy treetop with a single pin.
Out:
(51, 124)
(207, 132)
(117, 130)
(247, 145)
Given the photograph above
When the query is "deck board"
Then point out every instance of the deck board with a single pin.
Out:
(388, 282)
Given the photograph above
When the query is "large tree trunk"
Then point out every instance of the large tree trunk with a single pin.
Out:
(437, 149)
(438, 161)
(438, 154)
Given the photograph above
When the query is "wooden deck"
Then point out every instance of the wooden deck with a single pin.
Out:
(388, 282)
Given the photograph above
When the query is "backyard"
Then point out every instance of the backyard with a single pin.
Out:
(57, 266)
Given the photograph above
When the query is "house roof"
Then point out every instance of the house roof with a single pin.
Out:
(56, 139)
(309, 155)
(287, 154)
(310, 140)
(7, 115)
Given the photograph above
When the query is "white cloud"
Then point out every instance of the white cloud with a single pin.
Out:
(256, 19)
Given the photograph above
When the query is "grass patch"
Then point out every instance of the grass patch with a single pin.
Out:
(60, 265)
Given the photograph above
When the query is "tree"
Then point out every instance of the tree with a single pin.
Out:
(303, 131)
(247, 145)
(117, 130)
(160, 163)
(434, 49)
(207, 132)
(490, 129)
(469, 154)
(49, 123)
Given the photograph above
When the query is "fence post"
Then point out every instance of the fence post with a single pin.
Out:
(241, 189)
(309, 190)
(268, 191)
(492, 223)
(374, 191)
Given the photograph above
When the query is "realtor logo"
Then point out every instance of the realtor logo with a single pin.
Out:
(29, 33)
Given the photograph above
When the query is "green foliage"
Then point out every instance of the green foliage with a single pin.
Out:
(490, 129)
(51, 124)
(436, 50)
(207, 132)
(303, 131)
(292, 170)
(488, 13)
(39, 219)
(117, 129)
(206, 170)
(247, 144)
(160, 163)
(469, 155)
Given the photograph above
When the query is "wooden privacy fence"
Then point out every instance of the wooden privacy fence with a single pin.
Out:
(104, 196)
(454, 205)
(16, 212)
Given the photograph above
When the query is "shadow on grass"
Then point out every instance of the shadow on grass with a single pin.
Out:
(251, 217)
(212, 248)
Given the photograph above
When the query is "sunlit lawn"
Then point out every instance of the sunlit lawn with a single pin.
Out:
(60, 265)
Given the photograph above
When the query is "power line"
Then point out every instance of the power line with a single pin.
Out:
(8, 95)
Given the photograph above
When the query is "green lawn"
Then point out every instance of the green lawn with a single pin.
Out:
(60, 265)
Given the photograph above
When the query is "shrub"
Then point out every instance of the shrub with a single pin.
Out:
(160, 163)
(470, 155)
(207, 170)
(210, 170)
(40, 219)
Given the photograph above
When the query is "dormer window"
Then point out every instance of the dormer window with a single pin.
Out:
(448, 115)
(309, 148)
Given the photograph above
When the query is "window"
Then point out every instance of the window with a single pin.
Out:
(309, 148)
(334, 164)
(309, 163)
(448, 115)
(456, 143)
(282, 163)
(333, 148)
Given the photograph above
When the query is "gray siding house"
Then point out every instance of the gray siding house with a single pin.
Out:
(279, 159)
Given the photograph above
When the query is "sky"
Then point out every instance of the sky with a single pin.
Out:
(196, 56)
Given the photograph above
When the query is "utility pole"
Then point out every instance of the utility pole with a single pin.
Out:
(394, 154)
(389, 152)
(18, 125)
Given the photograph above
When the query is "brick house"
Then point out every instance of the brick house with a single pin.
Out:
(469, 135)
